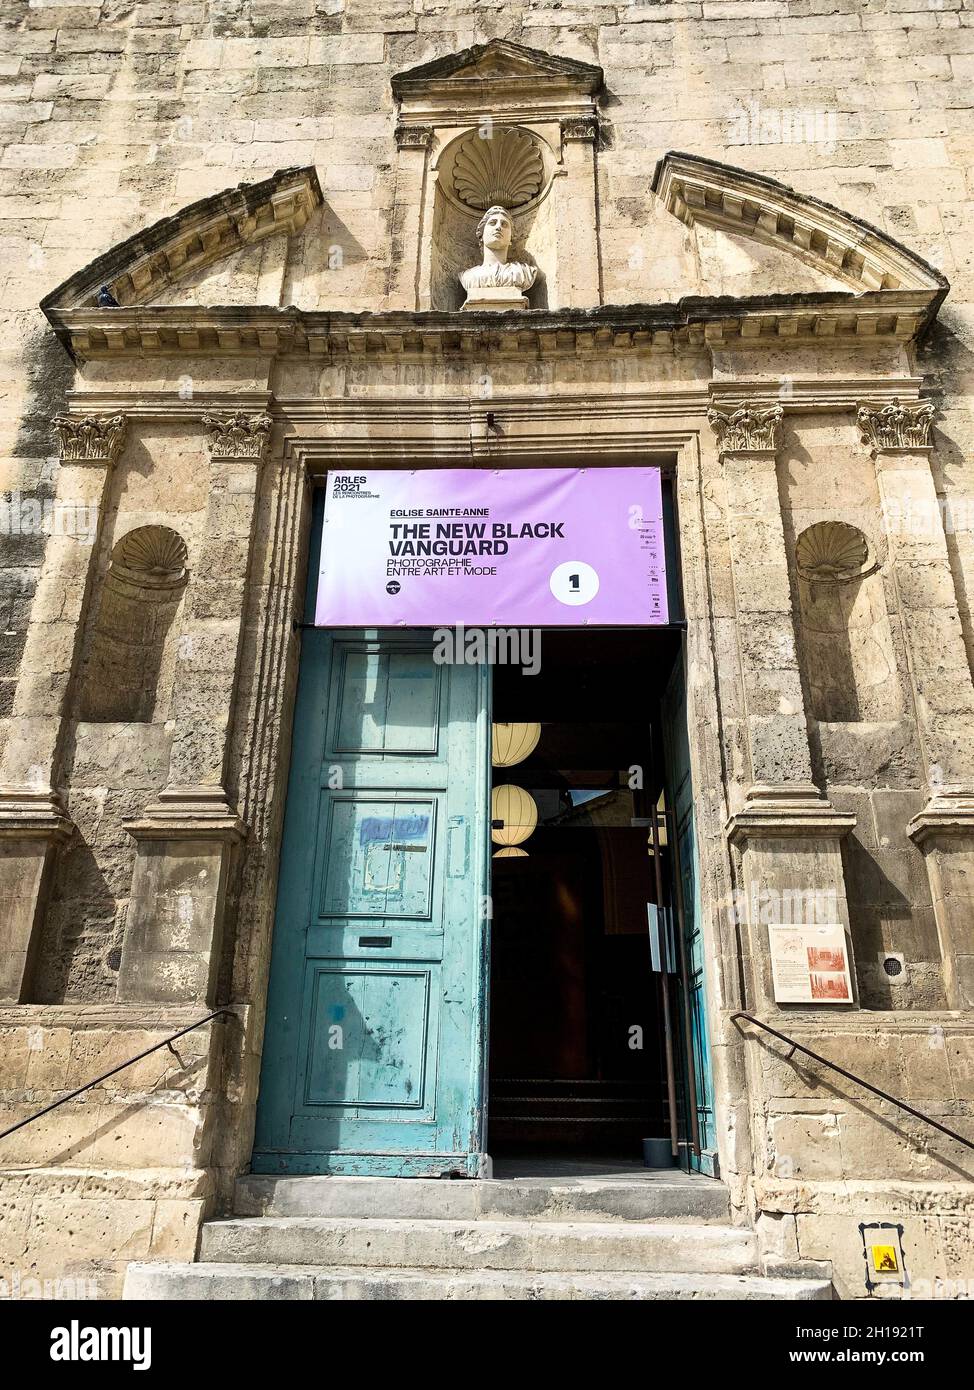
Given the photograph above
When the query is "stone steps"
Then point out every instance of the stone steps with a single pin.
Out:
(237, 1282)
(620, 1236)
(571, 1199)
(579, 1246)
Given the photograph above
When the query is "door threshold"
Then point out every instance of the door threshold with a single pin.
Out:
(594, 1167)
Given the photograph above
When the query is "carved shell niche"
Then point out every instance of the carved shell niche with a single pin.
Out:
(832, 550)
(151, 556)
(505, 170)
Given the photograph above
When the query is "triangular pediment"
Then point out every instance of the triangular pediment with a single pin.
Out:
(498, 62)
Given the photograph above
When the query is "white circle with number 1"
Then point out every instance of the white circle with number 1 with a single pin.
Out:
(574, 582)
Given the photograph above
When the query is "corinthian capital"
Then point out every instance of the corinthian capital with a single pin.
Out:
(746, 429)
(896, 426)
(580, 128)
(89, 438)
(238, 436)
(414, 137)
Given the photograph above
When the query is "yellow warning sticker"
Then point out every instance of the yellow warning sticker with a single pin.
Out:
(885, 1260)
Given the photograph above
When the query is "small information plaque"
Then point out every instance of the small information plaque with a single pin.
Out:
(810, 964)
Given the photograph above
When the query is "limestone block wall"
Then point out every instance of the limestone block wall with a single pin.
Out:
(111, 770)
(814, 1129)
(113, 116)
(870, 759)
(118, 1174)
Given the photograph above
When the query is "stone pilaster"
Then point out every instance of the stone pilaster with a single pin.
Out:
(414, 143)
(579, 273)
(788, 833)
(899, 437)
(173, 933)
(32, 816)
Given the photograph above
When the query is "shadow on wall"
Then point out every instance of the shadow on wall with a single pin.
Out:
(116, 756)
(49, 373)
(847, 640)
(138, 602)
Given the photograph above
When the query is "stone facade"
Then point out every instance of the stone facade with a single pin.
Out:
(764, 310)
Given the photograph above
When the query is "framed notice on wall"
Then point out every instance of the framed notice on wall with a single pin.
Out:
(538, 547)
(810, 964)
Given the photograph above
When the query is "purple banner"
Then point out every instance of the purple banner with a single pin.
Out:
(518, 547)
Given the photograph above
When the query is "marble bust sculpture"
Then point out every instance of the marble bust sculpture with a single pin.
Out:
(497, 283)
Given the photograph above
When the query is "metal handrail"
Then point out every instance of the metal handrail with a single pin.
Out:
(166, 1042)
(851, 1076)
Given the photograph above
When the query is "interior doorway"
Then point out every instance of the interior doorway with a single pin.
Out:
(578, 1060)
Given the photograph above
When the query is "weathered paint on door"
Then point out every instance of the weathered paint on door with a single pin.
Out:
(680, 797)
(373, 1050)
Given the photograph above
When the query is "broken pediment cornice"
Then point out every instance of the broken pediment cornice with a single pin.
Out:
(704, 191)
(139, 268)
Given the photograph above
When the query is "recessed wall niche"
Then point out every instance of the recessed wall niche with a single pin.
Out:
(492, 166)
(847, 643)
(139, 597)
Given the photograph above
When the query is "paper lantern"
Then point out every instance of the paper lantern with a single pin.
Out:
(512, 743)
(511, 852)
(516, 810)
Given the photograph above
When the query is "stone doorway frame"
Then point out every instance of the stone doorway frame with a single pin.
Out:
(641, 430)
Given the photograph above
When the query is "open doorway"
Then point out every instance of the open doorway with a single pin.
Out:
(577, 1059)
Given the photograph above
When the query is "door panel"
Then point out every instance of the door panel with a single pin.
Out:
(372, 1058)
(680, 798)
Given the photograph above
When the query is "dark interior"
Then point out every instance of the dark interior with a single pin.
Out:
(570, 965)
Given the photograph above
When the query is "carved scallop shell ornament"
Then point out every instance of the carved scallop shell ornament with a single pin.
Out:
(832, 550)
(152, 554)
(504, 170)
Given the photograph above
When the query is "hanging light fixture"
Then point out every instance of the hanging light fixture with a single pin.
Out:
(512, 743)
(511, 852)
(514, 813)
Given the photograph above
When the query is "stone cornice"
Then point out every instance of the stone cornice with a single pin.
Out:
(788, 812)
(188, 813)
(735, 200)
(747, 429)
(33, 813)
(89, 438)
(240, 435)
(948, 813)
(692, 325)
(895, 427)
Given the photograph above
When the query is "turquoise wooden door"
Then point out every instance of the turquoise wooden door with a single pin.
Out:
(373, 1056)
(679, 795)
